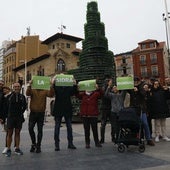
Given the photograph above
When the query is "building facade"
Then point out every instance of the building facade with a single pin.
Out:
(150, 59)
(61, 56)
(19, 52)
(124, 64)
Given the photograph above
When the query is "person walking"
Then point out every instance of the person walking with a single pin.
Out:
(159, 109)
(89, 113)
(38, 99)
(16, 107)
(63, 108)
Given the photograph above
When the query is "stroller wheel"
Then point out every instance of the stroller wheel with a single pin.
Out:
(121, 148)
(141, 148)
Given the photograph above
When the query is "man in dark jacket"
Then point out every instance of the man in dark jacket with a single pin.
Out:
(16, 107)
(105, 112)
(63, 108)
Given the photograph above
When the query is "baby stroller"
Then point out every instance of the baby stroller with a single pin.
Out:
(129, 130)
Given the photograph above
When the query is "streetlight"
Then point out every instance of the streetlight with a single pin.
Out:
(25, 82)
(166, 27)
(167, 24)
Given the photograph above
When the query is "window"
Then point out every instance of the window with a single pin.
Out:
(123, 60)
(154, 70)
(40, 71)
(143, 46)
(142, 59)
(28, 76)
(68, 45)
(151, 45)
(53, 46)
(60, 65)
(144, 72)
(153, 58)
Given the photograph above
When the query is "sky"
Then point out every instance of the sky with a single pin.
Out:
(127, 22)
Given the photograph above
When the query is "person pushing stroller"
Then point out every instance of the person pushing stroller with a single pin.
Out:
(117, 104)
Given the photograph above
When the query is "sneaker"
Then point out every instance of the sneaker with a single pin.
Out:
(38, 150)
(8, 153)
(71, 146)
(157, 139)
(33, 147)
(150, 143)
(166, 139)
(18, 151)
(5, 150)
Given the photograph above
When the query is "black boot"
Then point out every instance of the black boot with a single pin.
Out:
(33, 148)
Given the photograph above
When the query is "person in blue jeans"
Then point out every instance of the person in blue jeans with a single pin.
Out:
(138, 99)
(63, 108)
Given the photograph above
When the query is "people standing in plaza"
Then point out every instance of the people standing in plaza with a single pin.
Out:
(137, 100)
(16, 107)
(159, 109)
(89, 113)
(105, 112)
(38, 99)
(6, 92)
(63, 108)
(117, 104)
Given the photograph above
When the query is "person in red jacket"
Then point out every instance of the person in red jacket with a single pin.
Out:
(89, 112)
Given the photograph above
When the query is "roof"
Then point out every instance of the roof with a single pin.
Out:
(148, 41)
(63, 36)
(160, 45)
(42, 57)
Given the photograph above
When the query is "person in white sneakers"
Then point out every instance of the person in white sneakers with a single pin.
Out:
(6, 92)
(159, 109)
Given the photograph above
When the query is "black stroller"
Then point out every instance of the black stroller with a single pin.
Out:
(129, 130)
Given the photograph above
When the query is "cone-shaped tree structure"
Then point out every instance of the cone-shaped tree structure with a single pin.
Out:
(95, 59)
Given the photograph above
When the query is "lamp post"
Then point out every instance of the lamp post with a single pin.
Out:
(166, 28)
(25, 82)
(167, 24)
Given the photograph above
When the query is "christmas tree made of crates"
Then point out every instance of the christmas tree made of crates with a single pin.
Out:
(95, 61)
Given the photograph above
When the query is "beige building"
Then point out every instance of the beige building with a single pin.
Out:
(124, 64)
(61, 56)
(19, 52)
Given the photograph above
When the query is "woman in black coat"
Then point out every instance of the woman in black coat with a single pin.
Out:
(159, 109)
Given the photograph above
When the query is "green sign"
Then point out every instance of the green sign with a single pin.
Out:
(41, 82)
(63, 80)
(124, 83)
(87, 85)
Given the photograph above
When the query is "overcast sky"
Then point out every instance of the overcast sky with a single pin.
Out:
(127, 22)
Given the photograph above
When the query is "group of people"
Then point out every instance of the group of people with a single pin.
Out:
(150, 100)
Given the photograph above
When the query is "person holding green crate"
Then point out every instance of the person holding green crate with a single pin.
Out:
(89, 111)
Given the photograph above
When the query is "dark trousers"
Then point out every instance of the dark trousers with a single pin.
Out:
(36, 118)
(106, 115)
(58, 120)
(87, 123)
(114, 124)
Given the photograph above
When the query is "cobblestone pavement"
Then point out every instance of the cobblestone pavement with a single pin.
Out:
(107, 157)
